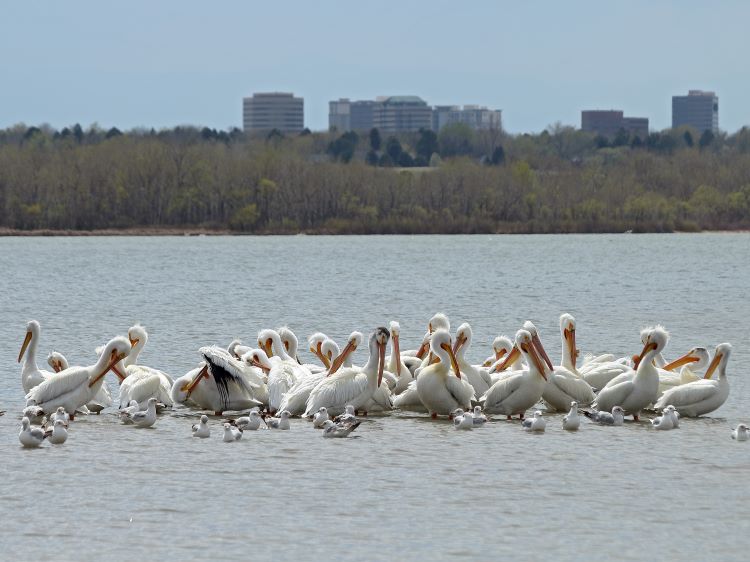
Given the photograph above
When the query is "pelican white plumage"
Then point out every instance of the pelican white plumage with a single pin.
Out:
(572, 421)
(741, 432)
(201, 429)
(518, 391)
(564, 384)
(536, 423)
(219, 384)
(139, 382)
(57, 434)
(395, 364)
(501, 346)
(31, 374)
(285, 371)
(315, 346)
(353, 385)
(30, 436)
(440, 392)
(478, 378)
(704, 396)
(290, 342)
(75, 386)
(295, 400)
(616, 417)
(634, 391)
(103, 398)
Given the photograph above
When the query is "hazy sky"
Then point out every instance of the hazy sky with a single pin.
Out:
(169, 62)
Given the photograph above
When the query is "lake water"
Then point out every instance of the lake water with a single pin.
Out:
(406, 487)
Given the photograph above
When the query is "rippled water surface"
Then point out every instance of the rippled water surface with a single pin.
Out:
(407, 487)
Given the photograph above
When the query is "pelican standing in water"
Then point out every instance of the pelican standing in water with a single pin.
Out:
(395, 364)
(704, 396)
(31, 374)
(218, 385)
(479, 379)
(103, 398)
(75, 386)
(634, 391)
(353, 385)
(692, 362)
(519, 391)
(440, 392)
(285, 371)
(139, 382)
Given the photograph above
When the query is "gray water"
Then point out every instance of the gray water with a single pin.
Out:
(407, 486)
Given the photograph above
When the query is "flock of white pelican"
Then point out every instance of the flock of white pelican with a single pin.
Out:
(271, 384)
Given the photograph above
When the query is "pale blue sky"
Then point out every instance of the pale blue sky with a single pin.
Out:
(164, 63)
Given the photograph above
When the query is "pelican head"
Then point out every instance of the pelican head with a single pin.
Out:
(289, 341)
(232, 347)
(531, 329)
(439, 322)
(267, 340)
(655, 341)
(258, 358)
(698, 357)
(329, 351)
(138, 336)
(721, 356)
(314, 344)
(32, 332)
(525, 343)
(424, 346)
(568, 331)
(353, 342)
(395, 330)
(117, 349)
(463, 338)
(441, 347)
(57, 361)
(380, 338)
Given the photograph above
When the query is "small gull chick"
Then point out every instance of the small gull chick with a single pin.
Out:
(535, 423)
(201, 428)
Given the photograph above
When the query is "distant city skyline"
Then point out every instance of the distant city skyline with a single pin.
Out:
(175, 63)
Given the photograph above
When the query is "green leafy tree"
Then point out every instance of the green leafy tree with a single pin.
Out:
(393, 148)
(456, 139)
(427, 144)
(375, 139)
(688, 138)
(498, 156)
(706, 140)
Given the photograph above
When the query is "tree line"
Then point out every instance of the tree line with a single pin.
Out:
(561, 180)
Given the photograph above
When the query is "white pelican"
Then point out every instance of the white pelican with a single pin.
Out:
(394, 363)
(518, 391)
(741, 433)
(501, 345)
(251, 422)
(692, 362)
(353, 385)
(145, 418)
(536, 423)
(137, 381)
(57, 434)
(634, 391)
(321, 416)
(201, 428)
(285, 371)
(509, 359)
(315, 346)
(231, 433)
(478, 378)
(617, 417)
(572, 421)
(704, 396)
(75, 386)
(331, 429)
(462, 420)
(30, 436)
(564, 385)
(440, 392)
(282, 422)
(665, 421)
(31, 374)
(295, 400)
(103, 398)
(290, 342)
(225, 387)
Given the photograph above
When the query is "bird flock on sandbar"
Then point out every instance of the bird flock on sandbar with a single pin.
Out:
(267, 384)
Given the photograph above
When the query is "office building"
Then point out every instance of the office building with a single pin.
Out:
(608, 123)
(398, 114)
(474, 116)
(346, 115)
(273, 110)
(698, 109)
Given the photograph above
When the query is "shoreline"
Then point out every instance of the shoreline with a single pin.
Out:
(172, 231)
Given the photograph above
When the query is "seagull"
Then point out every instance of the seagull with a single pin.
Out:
(479, 418)
(320, 417)
(617, 417)
(572, 420)
(250, 422)
(201, 429)
(57, 434)
(126, 413)
(347, 417)
(145, 418)
(535, 423)
(60, 414)
(462, 420)
(742, 433)
(231, 433)
(664, 421)
(30, 436)
(280, 422)
(331, 429)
